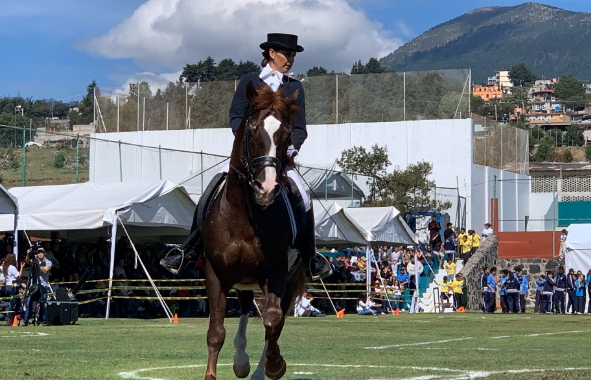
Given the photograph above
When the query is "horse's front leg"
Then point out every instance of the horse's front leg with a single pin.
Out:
(216, 334)
(274, 320)
(241, 359)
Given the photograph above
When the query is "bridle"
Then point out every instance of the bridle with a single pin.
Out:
(254, 167)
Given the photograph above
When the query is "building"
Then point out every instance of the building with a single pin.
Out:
(544, 100)
(488, 92)
(548, 119)
(503, 81)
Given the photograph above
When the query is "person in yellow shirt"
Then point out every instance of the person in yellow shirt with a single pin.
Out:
(450, 269)
(461, 235)
(474, 240)
(466, 246)
(457, 286)
(444, 289)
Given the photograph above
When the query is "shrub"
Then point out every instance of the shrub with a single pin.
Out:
(59, 160)
(588, 152)
(568, 155)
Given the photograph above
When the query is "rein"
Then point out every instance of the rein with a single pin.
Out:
(254, 167)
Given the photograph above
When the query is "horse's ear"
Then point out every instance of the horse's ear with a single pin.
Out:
(251, 92)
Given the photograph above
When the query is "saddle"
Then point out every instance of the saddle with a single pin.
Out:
(288, 190)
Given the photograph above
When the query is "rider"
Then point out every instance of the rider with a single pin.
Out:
(279, 53)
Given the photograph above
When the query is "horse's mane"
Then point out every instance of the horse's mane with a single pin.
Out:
(283, 106)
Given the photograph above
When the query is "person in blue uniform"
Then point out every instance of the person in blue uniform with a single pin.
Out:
(560, 291)
(503, 277)
(491, 285)
(484, 287)
(539, 289)
(548, 293)
(524, 288)
(512, 287)
(279, 52)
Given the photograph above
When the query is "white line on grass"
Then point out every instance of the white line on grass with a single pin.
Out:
(416, 344)
(451, 374)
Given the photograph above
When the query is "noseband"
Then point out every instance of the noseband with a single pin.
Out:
(255, 166)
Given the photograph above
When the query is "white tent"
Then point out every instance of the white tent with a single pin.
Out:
(9, 210)
(334, 228)
(337, 226)
(88, 210)
(382, 225)
(577, 247)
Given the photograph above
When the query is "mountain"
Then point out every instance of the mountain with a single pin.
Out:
(551, 41)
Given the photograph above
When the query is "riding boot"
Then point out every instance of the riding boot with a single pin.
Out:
(192, 247)
(316, 266)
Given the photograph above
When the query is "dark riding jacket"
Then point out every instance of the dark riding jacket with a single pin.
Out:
(290, 85)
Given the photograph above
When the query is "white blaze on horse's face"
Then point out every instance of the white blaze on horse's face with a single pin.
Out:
(271, 126)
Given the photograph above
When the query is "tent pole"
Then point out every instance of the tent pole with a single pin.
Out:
(112, 264)
(15, 242)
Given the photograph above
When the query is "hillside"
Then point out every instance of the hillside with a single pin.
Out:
(551, 41)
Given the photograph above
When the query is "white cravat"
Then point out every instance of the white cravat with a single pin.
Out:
(272, 78)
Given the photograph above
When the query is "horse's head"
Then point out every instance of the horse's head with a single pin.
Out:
(267, 130)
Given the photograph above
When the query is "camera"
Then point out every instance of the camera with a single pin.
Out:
(35, 249)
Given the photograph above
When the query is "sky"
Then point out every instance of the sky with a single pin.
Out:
(54, 49)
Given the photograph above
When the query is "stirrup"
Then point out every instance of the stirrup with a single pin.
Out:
(174, 249)
(321, 275)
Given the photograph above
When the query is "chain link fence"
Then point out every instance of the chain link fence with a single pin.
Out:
(330, 99)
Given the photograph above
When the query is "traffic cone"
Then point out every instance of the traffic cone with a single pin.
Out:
(396, 312)
(341, 313)
(461, 309)
(15, 321)
(499, 305)
(175, 320)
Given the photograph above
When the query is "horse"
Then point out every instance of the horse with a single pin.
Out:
(247, 234)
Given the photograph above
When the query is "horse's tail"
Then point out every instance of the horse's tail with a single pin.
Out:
(296, 286)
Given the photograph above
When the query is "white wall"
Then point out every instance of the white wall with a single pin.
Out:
(446, 144)
(513, 193)
(542, 212)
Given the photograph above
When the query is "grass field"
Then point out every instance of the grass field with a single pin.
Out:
(426, 346)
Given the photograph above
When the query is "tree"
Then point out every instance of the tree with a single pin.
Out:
(588, 152)
(316, 71)
(407, 190)
(574, 136)
(545, 149)
(372, 66)
(569, 87)
(207, 70)
(521, 75)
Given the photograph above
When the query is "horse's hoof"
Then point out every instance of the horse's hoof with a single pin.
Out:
(277, 374)
(241, 371)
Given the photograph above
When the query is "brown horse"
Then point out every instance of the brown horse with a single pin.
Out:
(247, 234)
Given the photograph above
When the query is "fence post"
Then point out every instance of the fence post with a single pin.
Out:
(554, 204)
(201, 154)
(160, 160)
(77, 160)
(24, 163)
(120, 164)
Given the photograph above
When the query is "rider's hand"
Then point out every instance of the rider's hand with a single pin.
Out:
(291, 151)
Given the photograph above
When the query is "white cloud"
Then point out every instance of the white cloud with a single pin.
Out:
(156, 81)
(405, 29)
(167, 34)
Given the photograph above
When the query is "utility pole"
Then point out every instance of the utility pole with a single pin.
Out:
(137, 89)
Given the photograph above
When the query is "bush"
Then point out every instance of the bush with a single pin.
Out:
(588, 152)
(568, 155)
(59, 160)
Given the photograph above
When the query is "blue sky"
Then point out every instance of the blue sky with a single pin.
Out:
(48, 48)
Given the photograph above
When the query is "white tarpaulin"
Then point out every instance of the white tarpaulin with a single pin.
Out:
(335, 229)
(9, 210)
(577, 247)
(339, 226)
(382, 225)
(87, 210)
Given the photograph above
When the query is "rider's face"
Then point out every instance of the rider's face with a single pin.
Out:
(281, 60)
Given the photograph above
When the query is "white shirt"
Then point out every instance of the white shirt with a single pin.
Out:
(11, 275)
(486, 233)
(272, 78)
(302, 305)
(410, 268)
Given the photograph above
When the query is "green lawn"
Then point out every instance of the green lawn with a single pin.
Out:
(425, 346)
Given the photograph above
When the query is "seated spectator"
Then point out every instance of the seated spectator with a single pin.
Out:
(304, 308)
(364, 306)
(403, 278)
(394, 293)
(413, 267)
(428, 257)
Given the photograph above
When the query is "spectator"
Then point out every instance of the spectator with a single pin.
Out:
(434, 227)
(457, 286)
(375, 307)
(588, 282)
(394, 293)
(412, 268)
(450, 268)
(523, 290)
(474, 241)
(395, 257)
(491, 290)
(304, 307)
(487, 231)
(580, 294)
(363, 307)
(118, 270)
(403, 278)
(503, 277)
(539, 291)
(466, 248)
(428, 257)
(547, 293)
(444, 290)
(461, 235)
(449, 231)
(450, 247)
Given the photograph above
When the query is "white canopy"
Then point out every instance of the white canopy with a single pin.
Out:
(87, 210)
(577, 247)
(363, 225)
(9, 210)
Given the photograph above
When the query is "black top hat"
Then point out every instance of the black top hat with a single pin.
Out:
(280, 41)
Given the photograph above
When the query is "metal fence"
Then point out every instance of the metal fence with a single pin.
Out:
(500, 146)
(330, 99)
